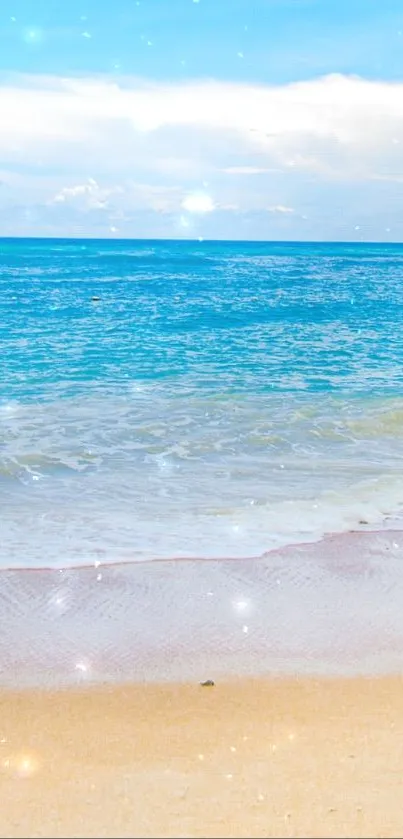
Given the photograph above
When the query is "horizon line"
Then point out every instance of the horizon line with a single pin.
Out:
(199, 240)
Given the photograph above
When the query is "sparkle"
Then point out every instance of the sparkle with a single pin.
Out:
(245, 629)
(33, 35)
(81, 667)
(22, 765)
(86, 35)
(26, 766)
(198, 203)
(241, 605)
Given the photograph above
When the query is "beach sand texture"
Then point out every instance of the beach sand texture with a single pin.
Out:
(265, 758)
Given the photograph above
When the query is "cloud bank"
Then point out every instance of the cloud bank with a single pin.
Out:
(80, 156)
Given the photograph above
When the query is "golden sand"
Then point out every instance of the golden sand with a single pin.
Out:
(264, 758)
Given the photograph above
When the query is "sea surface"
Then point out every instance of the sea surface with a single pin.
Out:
(193, 399)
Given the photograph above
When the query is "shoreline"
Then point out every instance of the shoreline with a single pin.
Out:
(388, 527)
(296, 757)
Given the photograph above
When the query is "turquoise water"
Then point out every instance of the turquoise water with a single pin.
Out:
(168, 399)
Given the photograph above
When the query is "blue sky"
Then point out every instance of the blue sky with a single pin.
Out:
(281, 40)
(224, 118)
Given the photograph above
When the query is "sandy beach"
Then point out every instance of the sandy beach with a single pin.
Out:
(105, 729)
(265, 758)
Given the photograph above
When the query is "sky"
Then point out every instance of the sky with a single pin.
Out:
(210, 119)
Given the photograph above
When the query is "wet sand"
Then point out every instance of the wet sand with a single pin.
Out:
(264, 758)
(331, 608)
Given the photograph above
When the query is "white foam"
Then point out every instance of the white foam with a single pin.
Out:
(117, 477)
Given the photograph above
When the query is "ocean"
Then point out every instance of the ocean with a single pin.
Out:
(201, 400)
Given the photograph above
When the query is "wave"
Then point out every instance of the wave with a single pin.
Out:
(116, 519)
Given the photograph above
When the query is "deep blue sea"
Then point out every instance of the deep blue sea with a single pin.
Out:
(180, 399)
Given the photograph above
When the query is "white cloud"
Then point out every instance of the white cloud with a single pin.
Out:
(249, 170)
(88, 195)
(333, 125)
(279, 208)
(132, 145)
